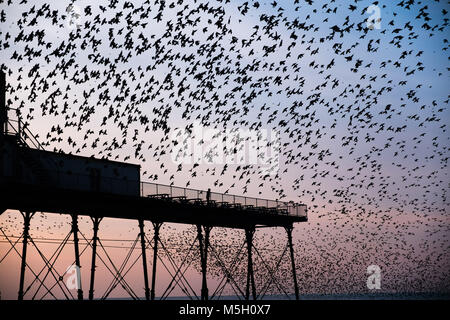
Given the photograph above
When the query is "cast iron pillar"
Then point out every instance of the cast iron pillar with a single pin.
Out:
(3, 110)
(249, 232)
(291, 248)
(96, 222)
(26, 228)
(156, 227)
(144, 259)
(77, 254)
(204, 244)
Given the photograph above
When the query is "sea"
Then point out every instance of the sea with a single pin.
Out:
(347, 296)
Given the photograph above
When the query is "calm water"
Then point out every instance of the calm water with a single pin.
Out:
(355, 296)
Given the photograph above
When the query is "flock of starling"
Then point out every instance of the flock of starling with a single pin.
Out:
(358, 96)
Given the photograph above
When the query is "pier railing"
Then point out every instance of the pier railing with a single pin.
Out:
(223, 199)
(20, 129)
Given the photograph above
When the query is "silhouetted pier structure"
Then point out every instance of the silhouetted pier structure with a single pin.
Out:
(33, 179)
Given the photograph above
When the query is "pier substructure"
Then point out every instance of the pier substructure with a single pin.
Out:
(249, 233)
(291, 249)
(156, 227)
(144, 258)
(26, 234)
(77, 254)
(203, 246)
(96, 223)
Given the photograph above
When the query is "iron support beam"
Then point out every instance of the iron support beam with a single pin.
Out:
(203, 246)
(26, 234)
(291, 249)
(144, 258)
(249, 232)
(96, 222)
(77, 254)
(205, 261)
(156, 227)
(3, 110)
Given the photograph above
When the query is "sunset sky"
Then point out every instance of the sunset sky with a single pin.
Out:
(362, 116)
